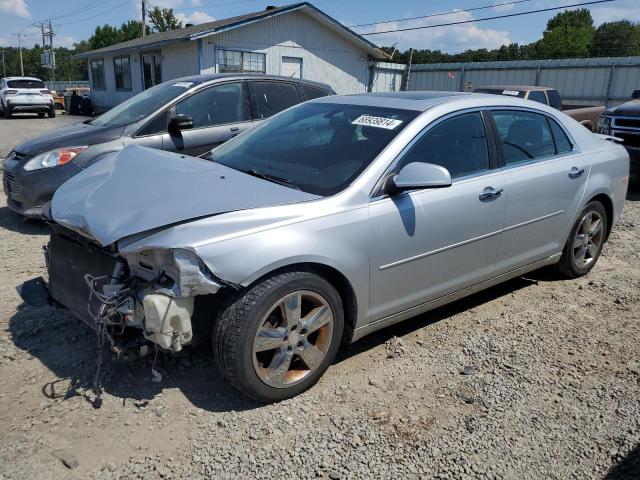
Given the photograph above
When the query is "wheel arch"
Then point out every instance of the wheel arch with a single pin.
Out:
(332, 275)
(607, 203)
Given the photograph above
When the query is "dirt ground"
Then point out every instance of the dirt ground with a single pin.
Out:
(536, 378)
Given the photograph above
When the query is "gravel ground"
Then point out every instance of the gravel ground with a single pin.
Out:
(536, 378)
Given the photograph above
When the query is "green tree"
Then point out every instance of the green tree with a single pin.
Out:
(568, 34)
(104, 36)
(164, 19)
(616, 39)
(131, 29)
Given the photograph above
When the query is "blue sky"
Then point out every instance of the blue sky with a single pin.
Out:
(76, 19)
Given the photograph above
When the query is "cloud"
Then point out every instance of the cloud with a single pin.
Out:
(504, 8)
(166, 3)
(17, 8)
(195, 18)
(453, 38)
(621, 10)
(66, 42)
(196, 3)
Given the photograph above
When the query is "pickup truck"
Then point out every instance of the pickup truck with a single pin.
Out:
(587, 116)
(623, 122)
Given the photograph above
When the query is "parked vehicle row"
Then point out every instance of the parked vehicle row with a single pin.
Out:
(326, 222)
(587, 116)
(191, 115)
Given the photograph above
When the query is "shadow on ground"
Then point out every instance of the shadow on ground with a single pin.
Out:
(628, 468)
(16, 223)
(68, 348)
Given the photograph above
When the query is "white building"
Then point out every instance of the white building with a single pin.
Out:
(296, 40)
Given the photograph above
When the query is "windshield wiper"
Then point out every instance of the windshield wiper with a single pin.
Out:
(272, 178)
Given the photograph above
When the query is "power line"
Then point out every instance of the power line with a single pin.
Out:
(487, 18)
(94, 16)
(439, 14)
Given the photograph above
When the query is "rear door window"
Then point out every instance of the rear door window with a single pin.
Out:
(525, 135)
(459, 144)
(270, 98)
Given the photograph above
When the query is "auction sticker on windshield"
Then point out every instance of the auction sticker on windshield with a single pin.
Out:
(378, 122)
(513, 93)
(183, 84)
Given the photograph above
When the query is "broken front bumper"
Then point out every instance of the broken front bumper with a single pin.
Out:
(106, 290)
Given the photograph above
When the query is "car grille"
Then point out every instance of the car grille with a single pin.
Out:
(627, 122)
(11, 185)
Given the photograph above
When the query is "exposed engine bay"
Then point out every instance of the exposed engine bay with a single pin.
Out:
(152, 291)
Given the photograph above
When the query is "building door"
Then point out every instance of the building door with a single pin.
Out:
(291, 67)
(151, 69)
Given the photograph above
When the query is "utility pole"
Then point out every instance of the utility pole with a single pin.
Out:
(53, 57)
(144, 18)
(407, 73)
(48, 57)
(20, 35)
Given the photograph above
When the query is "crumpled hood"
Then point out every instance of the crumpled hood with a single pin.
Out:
(70, 136)
(139, 189)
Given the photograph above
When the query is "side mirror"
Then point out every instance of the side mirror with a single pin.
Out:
(635, 94)
(180, 122)
(418, 175)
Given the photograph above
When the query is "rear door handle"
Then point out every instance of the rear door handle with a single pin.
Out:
(490, 193)
(576, 172)
(235, 129)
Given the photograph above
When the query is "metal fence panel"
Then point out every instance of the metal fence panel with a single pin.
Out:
(580, 81)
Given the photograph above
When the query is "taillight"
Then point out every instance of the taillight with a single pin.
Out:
(11, 92)
(46, 92)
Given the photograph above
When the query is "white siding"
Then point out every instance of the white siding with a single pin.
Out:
(326, 56)
(179, 60)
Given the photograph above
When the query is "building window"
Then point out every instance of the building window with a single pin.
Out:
(122, 72)
(151, 69)
(237, 61)
(97, 74)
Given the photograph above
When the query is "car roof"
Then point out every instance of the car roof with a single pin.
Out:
(22, 78)
(422, 101)
(228, 76)
(524, 88)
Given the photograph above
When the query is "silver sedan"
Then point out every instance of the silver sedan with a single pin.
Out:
(329, 221)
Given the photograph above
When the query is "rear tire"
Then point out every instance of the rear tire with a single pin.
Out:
(585, 241)
(41, 114)
(275, 340)
(52, 112)
(7, 112)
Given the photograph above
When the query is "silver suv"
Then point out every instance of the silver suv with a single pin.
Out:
(25, 95)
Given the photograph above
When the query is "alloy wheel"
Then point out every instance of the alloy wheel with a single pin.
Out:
(588, 239)
(293, 338)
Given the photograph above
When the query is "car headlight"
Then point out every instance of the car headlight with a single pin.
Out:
(53, 158)
(604, 121)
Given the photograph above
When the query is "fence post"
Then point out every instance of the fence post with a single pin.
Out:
(461, 85)
(538, 74)
(610, 83)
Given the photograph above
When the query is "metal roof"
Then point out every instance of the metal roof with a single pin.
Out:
(561, 62)
(204, 29)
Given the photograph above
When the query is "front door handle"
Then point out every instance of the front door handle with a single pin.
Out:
(235, 129)
(576, 172)
(490, 193)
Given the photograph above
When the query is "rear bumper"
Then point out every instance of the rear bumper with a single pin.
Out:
(30, 108)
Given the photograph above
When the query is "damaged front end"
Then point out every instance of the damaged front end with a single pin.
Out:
(152, 291)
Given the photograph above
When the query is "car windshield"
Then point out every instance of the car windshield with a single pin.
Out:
(24, 83)
(319, 148)
(142, 105)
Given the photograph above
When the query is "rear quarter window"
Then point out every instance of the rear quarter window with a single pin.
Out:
(313, 92)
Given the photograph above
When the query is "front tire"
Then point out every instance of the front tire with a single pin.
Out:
(276, 339)
(585, 242)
